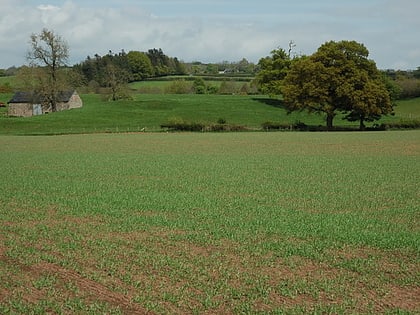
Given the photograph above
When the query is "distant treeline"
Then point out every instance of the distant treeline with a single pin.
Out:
(407, 82)
(100, 71)
(134, 66)
(137, 66)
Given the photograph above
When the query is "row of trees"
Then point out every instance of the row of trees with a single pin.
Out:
(134, 65)
(109, 74)
(242, 67)
(114, 71)
(47, 73)
(199, 86)
(337, 78)
(407, 83)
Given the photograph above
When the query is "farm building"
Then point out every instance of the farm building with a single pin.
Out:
(26, 104)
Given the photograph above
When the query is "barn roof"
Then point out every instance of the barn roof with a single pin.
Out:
(31, 97)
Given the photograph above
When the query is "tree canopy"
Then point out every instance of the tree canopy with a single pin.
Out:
(138, 65)
(274, 69)
(338, 77)
(47, 55)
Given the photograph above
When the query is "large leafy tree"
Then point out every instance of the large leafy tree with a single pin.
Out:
(48, 53)
(338, 77)
(140, 65)
(307, 87)
(273, 69)
(160, 62)
(369, 103)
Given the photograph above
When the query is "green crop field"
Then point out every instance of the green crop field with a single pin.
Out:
(207, 223)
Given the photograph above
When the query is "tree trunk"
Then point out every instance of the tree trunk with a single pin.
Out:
(362, 125)
(53, 102)
(54, 92)
(330, 117)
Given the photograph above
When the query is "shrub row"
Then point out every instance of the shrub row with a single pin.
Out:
(300, 126)
(224, 127)
(182, 125)
(270, 125)
(403, 124)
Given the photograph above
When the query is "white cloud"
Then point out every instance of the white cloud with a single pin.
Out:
(48, 7)
(213, 30)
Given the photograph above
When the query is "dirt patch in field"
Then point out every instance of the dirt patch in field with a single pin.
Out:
(180, 272)
(85, 288)
(379, 269)
(411, 149)
(92, 289)
(278, 300)
(354, 252)
(403, 298)
(393, 264)
(225, 261)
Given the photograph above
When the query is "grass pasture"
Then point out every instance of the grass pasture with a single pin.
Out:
(149, 111)
(161, 86)
(408, 109)
(204, 223)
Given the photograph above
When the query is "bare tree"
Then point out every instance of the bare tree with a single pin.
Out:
(116, 79)
(49, 52)
(291, 46)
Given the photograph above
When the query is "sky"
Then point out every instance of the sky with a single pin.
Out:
(214, 30)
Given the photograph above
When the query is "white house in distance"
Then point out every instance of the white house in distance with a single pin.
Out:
(26, 104)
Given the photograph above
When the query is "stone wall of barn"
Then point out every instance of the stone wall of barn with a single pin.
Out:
(27, 110)
(75, 101)
(59, 106)
(20, 109)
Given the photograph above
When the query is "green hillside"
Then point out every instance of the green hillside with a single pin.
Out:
(149, 111)
(408, 109)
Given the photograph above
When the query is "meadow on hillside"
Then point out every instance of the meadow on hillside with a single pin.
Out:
(147, 112)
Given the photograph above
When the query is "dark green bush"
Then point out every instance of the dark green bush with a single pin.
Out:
(271, 125)
(199, 86)
(179, 87)
(179, 124)
(183, 126)
(224, 128)
(212, 89)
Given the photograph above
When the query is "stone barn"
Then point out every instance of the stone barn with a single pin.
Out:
(26, 104)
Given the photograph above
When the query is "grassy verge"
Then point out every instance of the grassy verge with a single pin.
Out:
(265, 223)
